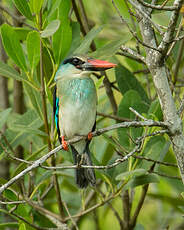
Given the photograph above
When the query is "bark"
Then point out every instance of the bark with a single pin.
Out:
(156, 65)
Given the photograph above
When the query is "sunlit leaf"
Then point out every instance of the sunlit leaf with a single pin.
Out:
(33, 48)
(50, 29)
(36, 5)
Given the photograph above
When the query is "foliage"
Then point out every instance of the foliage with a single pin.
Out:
(51, 31)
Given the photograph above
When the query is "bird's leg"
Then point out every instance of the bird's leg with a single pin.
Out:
(90, 136)
(64, 143)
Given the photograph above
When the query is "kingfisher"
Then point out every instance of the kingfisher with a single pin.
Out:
(75, 107)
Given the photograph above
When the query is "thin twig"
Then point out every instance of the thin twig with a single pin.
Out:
(133, 53)
(114, 117)
(157, 7)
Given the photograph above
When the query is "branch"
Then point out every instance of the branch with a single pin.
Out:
(138, 8)
(98, 132)
(168, 35)
(157, 7)
(133, 53)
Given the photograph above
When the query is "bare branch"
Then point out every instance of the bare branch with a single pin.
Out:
(133, 53)
(138, 8)
(40, 161)
(157, 7)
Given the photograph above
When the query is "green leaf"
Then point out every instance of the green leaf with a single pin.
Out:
(22, 226)
(36, 5)
(10, 195)
(33, 48)
(127, 81)
(136, 172)
(130, 99)
(12, 46)
(8, 71)
(109, 49)
(156, 149)
(155, 110)
(63, 36)
(84, 46)
(23, 7)
(4, 116)
(142, 180)
(22, 33)
(50, 29)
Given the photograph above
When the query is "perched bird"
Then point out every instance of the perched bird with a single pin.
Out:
(75, 105)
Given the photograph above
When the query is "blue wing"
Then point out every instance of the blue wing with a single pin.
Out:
(56, 112)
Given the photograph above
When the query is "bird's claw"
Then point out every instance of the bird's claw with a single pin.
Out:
(64, 144)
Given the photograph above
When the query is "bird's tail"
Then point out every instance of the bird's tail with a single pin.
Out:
(84, 176)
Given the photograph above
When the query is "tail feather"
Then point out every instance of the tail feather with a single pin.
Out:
(84, 176)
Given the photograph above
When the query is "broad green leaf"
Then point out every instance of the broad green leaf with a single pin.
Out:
(22, 33)
(130, 99)
(12, 46)
(142, 180)
(23, 7)
(63, 36)
(10, 195)
(155, 110)
(127, 81)
(33, 48)
(50, 29)
(9, 72)
(136, 172)
(36, 5)
(4, 116)
(156, 149)
(109, 49)
(84, 46)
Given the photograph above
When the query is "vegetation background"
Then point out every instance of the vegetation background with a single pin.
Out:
(144, 191)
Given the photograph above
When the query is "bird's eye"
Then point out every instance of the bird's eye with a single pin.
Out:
(76, 61)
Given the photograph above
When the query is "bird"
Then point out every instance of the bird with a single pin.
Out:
(75, 108)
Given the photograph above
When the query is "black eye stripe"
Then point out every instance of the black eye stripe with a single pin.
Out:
(74, 61)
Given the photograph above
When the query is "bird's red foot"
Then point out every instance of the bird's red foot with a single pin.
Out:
(64, 143)
(90, 136)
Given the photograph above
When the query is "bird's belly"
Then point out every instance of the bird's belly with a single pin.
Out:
(77, 119)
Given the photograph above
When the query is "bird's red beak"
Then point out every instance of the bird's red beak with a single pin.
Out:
(99, 65)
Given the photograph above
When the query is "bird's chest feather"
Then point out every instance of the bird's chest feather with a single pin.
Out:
(77, 106)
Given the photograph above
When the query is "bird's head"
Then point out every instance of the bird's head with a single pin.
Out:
(80, 65)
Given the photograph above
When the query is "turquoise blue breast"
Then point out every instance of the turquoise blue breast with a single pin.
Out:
(80, 90)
